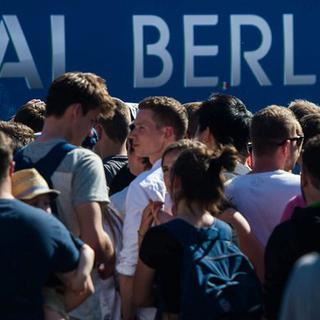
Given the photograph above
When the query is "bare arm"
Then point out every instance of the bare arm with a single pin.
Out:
(78, 283)
(82, 273)
(91, 232)
(127, 282)
(126, 292)
(73, 300)
(248, 243)
(142, 288)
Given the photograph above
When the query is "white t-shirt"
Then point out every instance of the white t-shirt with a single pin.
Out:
(262, 197)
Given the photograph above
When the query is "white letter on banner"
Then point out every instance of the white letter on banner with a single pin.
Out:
(289, 77)
(191, 50)
(58, 45)
(157, 49)
(26, 67)
(252, 57)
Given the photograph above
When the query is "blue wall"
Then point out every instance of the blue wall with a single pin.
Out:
(263, 53)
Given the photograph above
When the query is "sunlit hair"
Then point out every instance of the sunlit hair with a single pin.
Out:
(32, 114)
(20, 134)
(200, 172)
(181, 145)
(270, 126)
(167, 112)
(301, 108)
(87, 89)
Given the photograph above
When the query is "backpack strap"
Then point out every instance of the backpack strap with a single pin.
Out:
(51, 161)
(21, 161)
(47, 165)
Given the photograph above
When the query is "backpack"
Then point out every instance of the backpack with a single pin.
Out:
(47, 165)
(217, 280)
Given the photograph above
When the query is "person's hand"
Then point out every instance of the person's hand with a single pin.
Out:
(147, 219)
(156, 210)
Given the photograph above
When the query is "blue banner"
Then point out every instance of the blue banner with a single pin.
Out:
(264, 52)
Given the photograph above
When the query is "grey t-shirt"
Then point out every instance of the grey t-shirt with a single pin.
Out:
(79, 177)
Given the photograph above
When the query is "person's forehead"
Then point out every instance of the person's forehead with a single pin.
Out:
(145, 116)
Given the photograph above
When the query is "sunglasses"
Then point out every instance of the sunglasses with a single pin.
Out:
(299, 140)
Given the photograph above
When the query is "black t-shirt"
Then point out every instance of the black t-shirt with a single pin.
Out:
(122, 179)
(288, 242)
(116, 174)
(33, 244)
(161, 251)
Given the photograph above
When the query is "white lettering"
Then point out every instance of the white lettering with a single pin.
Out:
(26, 67)
(58, 45)
(158, 49)
(191, 50)
(289, 77)
(252, 57)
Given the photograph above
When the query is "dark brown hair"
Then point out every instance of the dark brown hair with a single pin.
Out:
(116, 123)
(311, 160)
(32, 114)
(200, 171)
(88, 89)
(310, 125)
(191, 108)
(5, 155)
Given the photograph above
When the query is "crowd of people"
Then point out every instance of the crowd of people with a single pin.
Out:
(158, 210)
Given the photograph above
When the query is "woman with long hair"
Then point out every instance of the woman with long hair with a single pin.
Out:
(197, 194)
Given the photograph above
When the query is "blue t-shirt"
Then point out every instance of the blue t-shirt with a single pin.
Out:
(33, 245)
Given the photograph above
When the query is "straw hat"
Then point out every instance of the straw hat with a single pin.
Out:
(28, 183)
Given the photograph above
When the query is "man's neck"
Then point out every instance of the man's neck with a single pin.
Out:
(154, 159)
(266, 165)
(158, 155)
(55, 128)
(109, 150)
(6, 189)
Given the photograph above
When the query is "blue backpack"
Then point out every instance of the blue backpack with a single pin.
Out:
(218, 281)
(47, 165)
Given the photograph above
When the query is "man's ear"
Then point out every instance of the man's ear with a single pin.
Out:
(208, 138)
(11, 168)
(169, 132)
(74, 110)
(285, 148)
